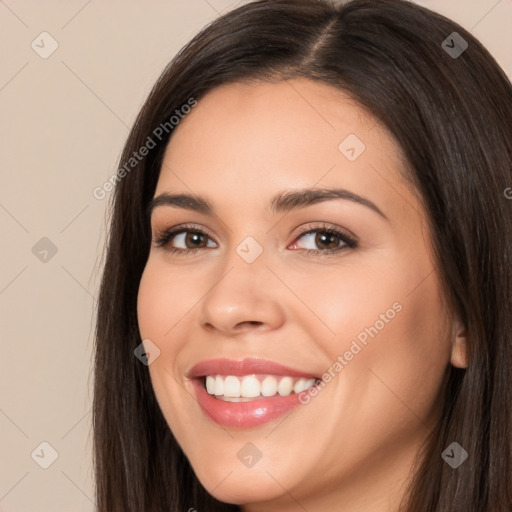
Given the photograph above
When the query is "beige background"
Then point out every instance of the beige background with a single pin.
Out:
(63, 123)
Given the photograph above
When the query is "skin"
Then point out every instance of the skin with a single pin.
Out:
(353, 446)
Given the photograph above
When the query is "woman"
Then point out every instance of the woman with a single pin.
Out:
(306, 297)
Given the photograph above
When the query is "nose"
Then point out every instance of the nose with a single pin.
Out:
(246, 297)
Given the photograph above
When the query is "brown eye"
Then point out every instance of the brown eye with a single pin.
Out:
(327, 241)
(183, 240)
(195, 240)
(324, 240)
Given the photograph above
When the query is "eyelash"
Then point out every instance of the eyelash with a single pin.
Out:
(163, 237)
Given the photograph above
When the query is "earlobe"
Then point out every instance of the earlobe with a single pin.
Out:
(459, 357)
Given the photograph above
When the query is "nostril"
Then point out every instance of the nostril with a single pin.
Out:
(249, 322)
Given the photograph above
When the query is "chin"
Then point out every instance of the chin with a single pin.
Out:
(240, 485)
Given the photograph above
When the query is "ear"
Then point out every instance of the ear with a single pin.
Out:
(459, 356)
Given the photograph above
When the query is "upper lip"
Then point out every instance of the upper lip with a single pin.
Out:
(244, 367)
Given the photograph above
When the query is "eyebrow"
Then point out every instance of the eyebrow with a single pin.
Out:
(280, 203)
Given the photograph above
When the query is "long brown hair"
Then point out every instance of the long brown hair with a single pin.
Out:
(452, 116)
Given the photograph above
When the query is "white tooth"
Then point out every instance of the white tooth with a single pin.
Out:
(285, 386)
(250, 387)
(309, 383)
(231, 386)
(219, 385)
(210, 385)
(269, 386)
(300, 386)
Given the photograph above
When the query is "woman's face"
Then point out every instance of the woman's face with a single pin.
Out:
(359, 307)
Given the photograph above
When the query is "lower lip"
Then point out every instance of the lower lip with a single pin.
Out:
(243, 414)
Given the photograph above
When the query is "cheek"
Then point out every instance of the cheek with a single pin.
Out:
(345, 302)
(162, 304)
(387, 341)
(162, 301)
(165, 307)
(390, 305)
(399, 370)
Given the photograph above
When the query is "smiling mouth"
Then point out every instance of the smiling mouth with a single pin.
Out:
(232, 388)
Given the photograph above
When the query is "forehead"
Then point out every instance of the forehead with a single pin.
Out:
(244, 142)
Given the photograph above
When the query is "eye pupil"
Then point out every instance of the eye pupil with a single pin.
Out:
(194, 238)
(323, 238)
